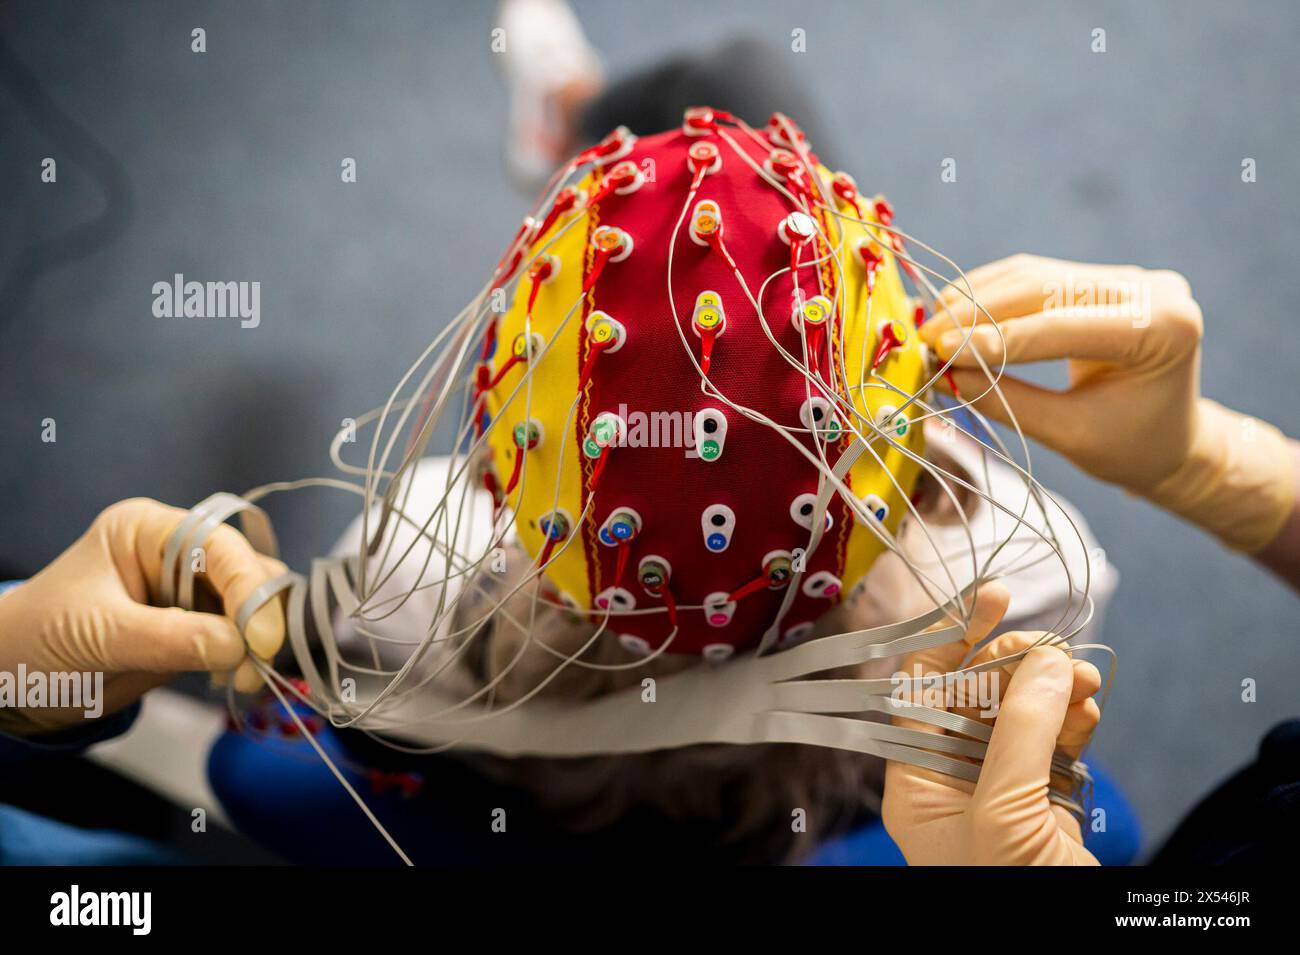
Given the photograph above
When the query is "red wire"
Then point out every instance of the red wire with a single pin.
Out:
(490, 484)
(518, 252)
(665, 593)
(706, 349)
(599, 469)
(597, 267)
(504, 370)
(590, 363)
(597, 151)
(885, 346)
(489, 339)
(514, 473)
(532, 295)
(671, 605)
(563, 203)
(796, 254)
(815, 350)
(600, 193)
(716, 243)
(758, 583)
(624, 548)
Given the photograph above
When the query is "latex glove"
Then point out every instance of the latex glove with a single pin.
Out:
(88, 612)
(1132, 413)
(1005, 818)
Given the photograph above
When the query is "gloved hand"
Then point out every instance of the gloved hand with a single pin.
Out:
(88, 612)
(1006, 818)
(1132, 414)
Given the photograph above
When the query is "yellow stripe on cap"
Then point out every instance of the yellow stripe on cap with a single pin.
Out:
(554, 387)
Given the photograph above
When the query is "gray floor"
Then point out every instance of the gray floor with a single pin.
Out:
(231, 160)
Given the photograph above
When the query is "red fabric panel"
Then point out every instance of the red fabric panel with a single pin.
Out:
(759, 473)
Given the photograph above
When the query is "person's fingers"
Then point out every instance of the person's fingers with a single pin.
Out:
(1087, 681)
(1081, 716)
(982, 278)
(1003, 299)
(248, 679)
(232, 567)
(992, 688)
(1006, 644)
(1081, 719)
(1012, 289)
(171, 640)
(1040, 411)
(1030, 719)
(135, 532)
(983, 274)
(235, 570)
(1092, 334)
(266, 629)
(910, 789)
(1015, 286)
(990, 605)
(991, 602)
(1087, 678)
(1056, 278)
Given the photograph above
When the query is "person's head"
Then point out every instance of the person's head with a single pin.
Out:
(698, 404)
(523, 639)
(696, 421)
(696, 400)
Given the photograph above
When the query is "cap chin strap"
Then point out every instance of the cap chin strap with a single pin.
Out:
(751, 699)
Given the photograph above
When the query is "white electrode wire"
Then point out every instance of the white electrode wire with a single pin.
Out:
(444, 381)
(270, 676)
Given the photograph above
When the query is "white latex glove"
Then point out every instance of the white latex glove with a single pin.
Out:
(88, 611)
(1132, 414)
(1006, 818)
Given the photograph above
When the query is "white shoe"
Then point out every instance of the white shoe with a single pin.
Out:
(545, 52)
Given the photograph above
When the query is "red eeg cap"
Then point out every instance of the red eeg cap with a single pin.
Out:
(757, 475)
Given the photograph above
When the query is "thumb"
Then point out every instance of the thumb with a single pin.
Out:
(171, 640)
(1017, 766)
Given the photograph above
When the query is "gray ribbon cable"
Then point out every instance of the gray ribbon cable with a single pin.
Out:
(258, 598)
(176, 586)
(767, 701)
